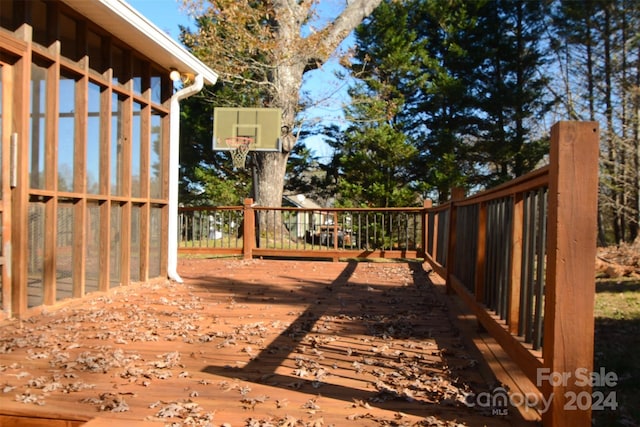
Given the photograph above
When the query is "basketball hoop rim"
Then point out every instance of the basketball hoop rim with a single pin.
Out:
(238, 141)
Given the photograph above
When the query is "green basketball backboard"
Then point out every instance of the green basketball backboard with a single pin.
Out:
(260, 125)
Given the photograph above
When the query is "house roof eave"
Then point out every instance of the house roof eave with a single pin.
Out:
(127, 24)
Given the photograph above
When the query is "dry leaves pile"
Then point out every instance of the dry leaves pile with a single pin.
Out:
(279, 346)
(619, 261)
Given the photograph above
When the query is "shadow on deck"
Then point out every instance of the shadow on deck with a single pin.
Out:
(251, 343)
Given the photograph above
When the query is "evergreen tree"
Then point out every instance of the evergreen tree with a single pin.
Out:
(440, 112)
(305, 175)
(511, 91)
(376, 157)
(468, 77)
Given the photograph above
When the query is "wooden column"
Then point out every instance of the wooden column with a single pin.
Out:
(481, 254)
(9, 145)
(427, 204)
(457, 193)
(80, 185)
(249, 229)
(125, 194)
(145, 191)
(570, 275)
(436, 236)
(20, 193)
(50, 204)
(105, 188)
(515, 269)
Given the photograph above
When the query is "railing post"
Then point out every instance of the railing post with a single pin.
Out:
(457, 193)
(515, 269)
(249, 229)
(335, 231)
(436, 236)
(427, 204)
(481, 252)
(570, 289)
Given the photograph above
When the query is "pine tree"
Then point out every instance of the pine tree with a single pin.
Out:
(440, 116)
(511, 89)
(375, 161)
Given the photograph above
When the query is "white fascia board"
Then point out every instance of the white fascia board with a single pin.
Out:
(127, 24)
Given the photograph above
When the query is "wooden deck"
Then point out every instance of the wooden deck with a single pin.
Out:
(247, 342)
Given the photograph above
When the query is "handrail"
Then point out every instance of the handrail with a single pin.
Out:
(534, 179)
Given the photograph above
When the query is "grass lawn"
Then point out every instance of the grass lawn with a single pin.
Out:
(617, 348)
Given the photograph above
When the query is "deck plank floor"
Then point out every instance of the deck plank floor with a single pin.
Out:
(256, 342)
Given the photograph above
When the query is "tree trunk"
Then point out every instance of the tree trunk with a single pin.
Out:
(268, 188)
(612, 155)
(634, 227)
(287, 61)
(270, 171)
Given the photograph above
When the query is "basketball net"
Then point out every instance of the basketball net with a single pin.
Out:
(239, 148)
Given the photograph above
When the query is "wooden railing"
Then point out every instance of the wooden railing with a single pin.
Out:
(521, 256)
(332, 233)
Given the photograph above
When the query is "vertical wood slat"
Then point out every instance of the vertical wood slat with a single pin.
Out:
(7, 124)
(164, 220)
(145, 190)
(104, 183)
(125, 243)
(335, 230)
(105, 246)
(125, 223)
(457, 194)
(52, 111)
(481, 252)
(106, 108)
(436, 235)
(20, 194)
(571, 250)
(428, 203)
(450, 250)
(490, 256)
(145, 239)
(164, 160)
(248, 232)
(79, 251)
(515, 269)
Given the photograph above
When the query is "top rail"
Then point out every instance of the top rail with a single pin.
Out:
(534, 179)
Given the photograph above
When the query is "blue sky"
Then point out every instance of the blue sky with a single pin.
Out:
(321, 84)
(165, 14)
